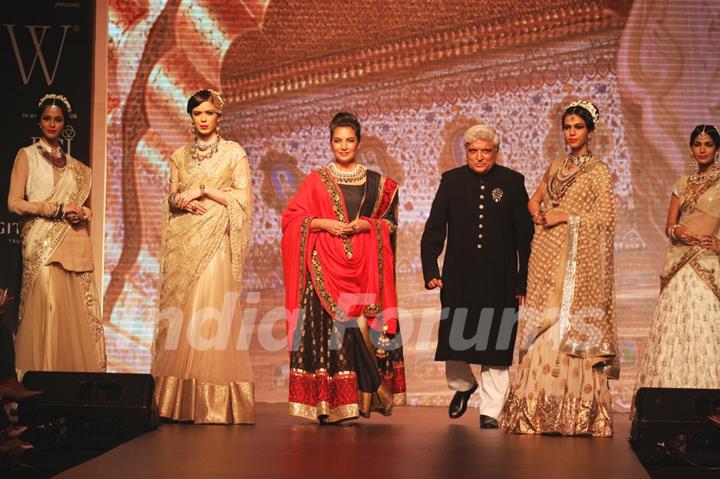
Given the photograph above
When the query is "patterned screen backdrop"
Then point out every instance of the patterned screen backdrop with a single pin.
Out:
(417, 73)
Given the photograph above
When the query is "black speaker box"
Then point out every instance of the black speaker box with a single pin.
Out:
(671, 425)
(89, 410)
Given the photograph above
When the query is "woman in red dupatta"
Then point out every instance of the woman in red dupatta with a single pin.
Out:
(346, 355)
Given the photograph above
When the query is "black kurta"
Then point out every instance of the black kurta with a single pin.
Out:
(488, 230)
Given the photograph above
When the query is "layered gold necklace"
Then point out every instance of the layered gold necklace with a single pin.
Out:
(203, 151)
(712, 174)
(562, 181)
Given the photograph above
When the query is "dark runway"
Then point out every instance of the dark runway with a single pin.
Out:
(415, 442)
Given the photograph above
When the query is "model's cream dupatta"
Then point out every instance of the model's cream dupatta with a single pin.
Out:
(189, 241)
(571, 282)
(41, 236)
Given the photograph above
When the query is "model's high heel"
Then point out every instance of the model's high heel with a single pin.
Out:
(365, 405)
(384, 400)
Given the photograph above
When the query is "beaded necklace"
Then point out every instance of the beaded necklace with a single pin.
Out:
(58, 161)
(561, 182)
(201, 152)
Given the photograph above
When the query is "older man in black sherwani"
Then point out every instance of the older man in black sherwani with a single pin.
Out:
(481, 209)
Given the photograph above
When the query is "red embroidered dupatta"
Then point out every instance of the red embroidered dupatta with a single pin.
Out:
(353, 276)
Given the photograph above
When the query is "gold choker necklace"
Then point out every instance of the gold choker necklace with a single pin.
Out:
(711, 174)
(354, 176)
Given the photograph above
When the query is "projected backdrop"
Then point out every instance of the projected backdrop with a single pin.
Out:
(417, 73)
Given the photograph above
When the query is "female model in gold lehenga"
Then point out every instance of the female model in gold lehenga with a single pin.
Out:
(60, 328)
(201, 362)
(567, 331)
(683, 350)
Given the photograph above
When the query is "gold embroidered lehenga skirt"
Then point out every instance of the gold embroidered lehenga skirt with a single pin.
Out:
(555, 393)
(202, 370)
(61, 328)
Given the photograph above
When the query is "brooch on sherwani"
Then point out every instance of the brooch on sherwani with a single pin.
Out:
(497, 195)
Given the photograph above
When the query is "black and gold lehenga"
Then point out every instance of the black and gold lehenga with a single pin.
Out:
(341, 368)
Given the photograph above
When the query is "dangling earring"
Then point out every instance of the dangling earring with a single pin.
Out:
(717, 159)
(693, 163)
(217, 129)
(568, 149)
(193, 131)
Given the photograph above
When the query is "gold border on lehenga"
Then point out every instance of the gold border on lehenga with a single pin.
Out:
(557, 414)
(707, 275)
(684, 259)
(187, 399)
(86, 284)
(322, 408)
(313, 413)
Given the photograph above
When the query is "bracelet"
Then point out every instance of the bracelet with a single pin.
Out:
(60, 211)
(202, 192)
(671, 232)
(173, 181)
(537, 213)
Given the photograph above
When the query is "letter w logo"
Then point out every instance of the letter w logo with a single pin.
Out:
(37, 43)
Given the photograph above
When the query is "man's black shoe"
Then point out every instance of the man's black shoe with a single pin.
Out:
(487, 422)
(459, 402)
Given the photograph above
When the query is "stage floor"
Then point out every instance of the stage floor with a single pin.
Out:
(415, 442)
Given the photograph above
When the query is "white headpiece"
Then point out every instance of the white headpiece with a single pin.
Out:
(54, 97)
(588, 106)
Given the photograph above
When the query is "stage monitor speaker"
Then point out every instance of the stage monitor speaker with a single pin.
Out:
(671, 425)
(89, 410)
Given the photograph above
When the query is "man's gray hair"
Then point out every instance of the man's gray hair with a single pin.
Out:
(481, 132)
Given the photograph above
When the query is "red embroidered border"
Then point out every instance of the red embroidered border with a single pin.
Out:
(386, 197)
(395, 381)
(311, 389)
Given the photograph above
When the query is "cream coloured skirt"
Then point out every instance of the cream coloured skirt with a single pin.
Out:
(555, 393)
(202, 366)
(61, 328)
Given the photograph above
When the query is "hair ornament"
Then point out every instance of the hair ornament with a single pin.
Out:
(586, 105)
(217, 100)
(55, 97)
